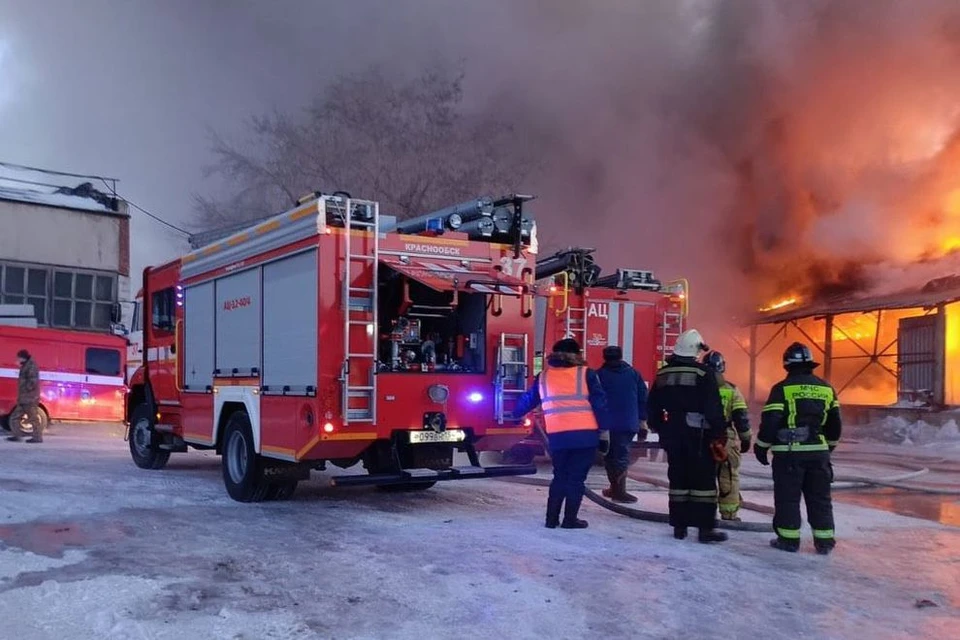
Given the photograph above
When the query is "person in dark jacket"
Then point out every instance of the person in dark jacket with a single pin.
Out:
(573, 405)
(685, 410)
(627, 413)
(28, 399)
(801, 424)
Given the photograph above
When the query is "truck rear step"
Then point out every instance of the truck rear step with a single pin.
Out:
(408, 476)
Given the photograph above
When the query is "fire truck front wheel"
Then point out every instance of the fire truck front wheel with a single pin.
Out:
(242, 467)
(144, 449)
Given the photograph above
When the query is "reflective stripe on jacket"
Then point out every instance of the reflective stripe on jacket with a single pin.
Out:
(802, 414)
(565, 400)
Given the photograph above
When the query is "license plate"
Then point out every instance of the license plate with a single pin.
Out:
(423, 437)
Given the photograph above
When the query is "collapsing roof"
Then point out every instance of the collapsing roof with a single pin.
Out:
(935, 292)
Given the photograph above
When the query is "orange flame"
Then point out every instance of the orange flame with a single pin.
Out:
(779, 304)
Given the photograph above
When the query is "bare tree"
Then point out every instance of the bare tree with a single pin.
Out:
(409, 144)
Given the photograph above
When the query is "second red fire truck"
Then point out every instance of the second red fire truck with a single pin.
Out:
(330, 334)
(628, 308)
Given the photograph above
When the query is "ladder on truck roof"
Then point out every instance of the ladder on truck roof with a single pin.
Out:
(361, 261)
(511, 374)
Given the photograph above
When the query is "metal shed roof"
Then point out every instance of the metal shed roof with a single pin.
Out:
(935, 292)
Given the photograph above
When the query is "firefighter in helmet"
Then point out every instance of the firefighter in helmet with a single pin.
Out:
(684, 408)
(574, 407)
(801, 425)
(738, 437)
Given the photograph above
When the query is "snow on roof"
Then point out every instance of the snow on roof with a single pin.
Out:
(52, 189)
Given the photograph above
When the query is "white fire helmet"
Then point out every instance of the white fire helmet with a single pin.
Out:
(689, 344)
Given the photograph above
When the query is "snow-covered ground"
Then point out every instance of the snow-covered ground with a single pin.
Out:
(898, 430)
(91, 547)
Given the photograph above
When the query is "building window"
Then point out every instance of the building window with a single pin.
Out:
(83, 300)
(103, 362)
(163, 309)
(37, 293)
(72, 299)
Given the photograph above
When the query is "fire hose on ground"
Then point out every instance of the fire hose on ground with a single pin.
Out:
(640, 514)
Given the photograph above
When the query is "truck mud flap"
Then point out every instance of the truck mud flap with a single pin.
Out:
(412, 476)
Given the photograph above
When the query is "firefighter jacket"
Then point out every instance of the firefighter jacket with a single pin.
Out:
(734, 407)
(28, 384)
(684, 406)
(573, 402)
(626, 396)
(801, 415)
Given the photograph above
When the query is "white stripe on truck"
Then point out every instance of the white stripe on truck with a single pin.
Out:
(59, 376)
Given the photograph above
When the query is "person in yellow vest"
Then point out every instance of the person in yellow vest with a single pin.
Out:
(574, 409)
(738, 438)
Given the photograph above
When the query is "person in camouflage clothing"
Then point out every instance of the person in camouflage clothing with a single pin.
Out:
(28, 399)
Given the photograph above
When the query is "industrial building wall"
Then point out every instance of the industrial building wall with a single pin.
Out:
(71, 265)
(63, 237)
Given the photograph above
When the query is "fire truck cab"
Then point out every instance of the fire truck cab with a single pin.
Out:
(331, 334)
(629, 308)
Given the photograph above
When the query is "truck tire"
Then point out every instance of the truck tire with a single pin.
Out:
(281, 491)
(25, 427)
(242, 467)
(145, 452)
(520, 454)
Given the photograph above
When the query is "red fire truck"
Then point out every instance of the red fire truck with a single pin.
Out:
(628, 308)
(81, 374)
(330, 334)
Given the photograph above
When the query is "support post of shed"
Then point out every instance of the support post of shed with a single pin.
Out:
(753, 363)
(828, 347)
(939, 357)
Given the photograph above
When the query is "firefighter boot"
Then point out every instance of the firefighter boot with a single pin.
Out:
(553, 512)
(611, 491)
(618, 488)
(791, 546)
(680, 533)
(707, 536)
(824, 547)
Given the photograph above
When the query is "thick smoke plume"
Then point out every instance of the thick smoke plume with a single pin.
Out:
(838, 121)
(761, 148)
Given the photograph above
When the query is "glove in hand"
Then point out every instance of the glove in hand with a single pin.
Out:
(744, 444)
(604, 446)
(761, 454)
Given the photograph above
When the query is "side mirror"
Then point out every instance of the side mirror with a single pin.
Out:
(116, 313)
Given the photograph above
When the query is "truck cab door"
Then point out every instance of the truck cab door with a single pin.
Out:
(101, 393)
(65, 386)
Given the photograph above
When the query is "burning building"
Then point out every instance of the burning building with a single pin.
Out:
(876, 347)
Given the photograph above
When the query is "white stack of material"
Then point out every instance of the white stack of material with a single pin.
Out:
(18, 315)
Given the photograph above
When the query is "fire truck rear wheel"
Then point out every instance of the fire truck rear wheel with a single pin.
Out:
(242, 467)
(25, 427)
(146, 454)
(281, 490)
